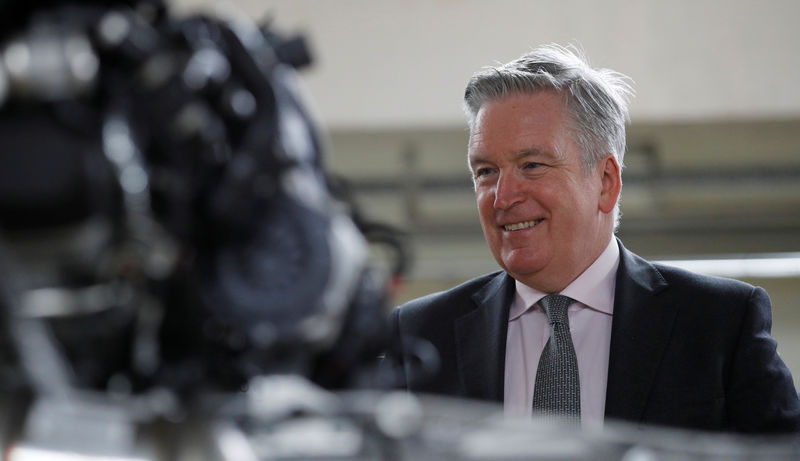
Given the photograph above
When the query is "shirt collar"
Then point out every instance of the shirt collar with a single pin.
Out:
(594, 288)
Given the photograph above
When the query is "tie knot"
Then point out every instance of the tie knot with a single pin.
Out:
(555, 306)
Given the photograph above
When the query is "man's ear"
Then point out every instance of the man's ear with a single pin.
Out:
(611, 182)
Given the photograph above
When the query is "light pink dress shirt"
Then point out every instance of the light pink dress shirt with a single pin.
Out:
(590, 327)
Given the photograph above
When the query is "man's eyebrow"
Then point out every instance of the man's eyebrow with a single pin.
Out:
(477, 158)
(533, 152)
(521, 154)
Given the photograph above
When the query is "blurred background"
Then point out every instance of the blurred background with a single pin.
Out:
(712, 176)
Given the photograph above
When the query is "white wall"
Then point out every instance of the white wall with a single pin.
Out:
(403, 63)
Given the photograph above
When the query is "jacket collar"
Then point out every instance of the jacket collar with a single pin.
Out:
(481, 339)
(641, 328)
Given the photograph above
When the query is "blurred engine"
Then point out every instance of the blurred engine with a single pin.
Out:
(165, 217)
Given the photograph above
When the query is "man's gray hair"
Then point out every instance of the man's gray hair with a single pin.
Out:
(596, 99)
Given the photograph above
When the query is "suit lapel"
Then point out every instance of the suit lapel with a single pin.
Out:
(641, 328)
(481, 340)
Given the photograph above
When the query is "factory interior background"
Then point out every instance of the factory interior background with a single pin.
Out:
(712, 177)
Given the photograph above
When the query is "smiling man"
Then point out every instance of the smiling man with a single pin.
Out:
(575, 326)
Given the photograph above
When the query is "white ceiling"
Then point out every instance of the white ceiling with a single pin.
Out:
(390, 64)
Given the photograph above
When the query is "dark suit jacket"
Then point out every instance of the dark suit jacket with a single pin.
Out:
(687, 350)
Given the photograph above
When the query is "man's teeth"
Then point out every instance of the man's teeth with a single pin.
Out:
(521, 225)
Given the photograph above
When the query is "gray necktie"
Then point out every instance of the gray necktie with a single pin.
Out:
(557, 391)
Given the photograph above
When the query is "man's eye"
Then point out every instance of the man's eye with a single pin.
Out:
(482, 172)
(531, 165)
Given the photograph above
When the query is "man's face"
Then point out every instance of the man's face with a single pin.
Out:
(545, 219)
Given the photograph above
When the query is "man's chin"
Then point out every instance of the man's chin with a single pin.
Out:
(522, 269)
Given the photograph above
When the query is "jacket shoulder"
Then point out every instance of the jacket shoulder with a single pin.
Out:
(703, 284)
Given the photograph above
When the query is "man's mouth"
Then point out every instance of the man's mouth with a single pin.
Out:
(522, 225)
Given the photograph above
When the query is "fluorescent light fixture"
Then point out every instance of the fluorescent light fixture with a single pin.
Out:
(778, 265)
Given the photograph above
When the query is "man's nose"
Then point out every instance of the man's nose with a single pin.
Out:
(508, 191)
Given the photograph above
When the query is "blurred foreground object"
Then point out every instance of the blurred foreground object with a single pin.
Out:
(164, 207)
(167, 231)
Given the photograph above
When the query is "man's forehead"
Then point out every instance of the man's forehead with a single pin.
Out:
(519, 125)
(518, 148)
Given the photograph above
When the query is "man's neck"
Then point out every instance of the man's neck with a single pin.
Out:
(560, 281)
